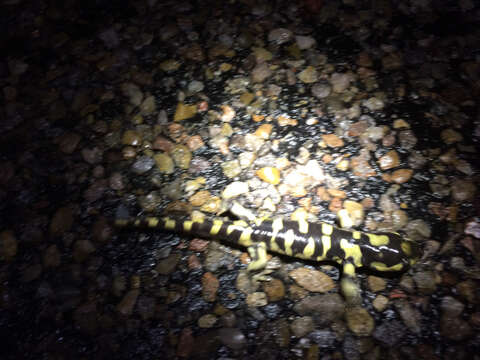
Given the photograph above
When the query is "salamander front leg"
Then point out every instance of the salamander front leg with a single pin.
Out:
(349, 286)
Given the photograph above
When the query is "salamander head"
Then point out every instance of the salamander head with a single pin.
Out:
(390, 252)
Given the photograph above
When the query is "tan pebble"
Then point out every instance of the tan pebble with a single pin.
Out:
(402, 175)
(8, 245)
(194, 142)
(322, 193)
(285, 121)
(332, 140)
(210, 285)
(376, 284)
(400, 124)
(335, 205)
(312, 280)
(257, 299)
(450, 136)
(184, 111)
(389, 160)
(176, 132)
(274, 289)
(199, 198)
(343, 165)
(257, 117)
(359, 321)
(131, 138)
(380, 303)
(269, 174)
(228, 113)
(246, 98)
(264, 131)
(282, 163)
(161, 143)
(182, 156)
(212, 205)
(337, 193)
(164, 163)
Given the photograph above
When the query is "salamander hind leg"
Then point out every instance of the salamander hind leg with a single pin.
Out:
(258, 253)
(349, 285)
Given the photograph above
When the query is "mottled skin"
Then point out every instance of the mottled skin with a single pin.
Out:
(300, 239)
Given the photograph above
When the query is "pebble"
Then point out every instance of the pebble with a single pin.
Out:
(304, 42)
(235, 189)
(164, 163)
(231, 168)
(274, 289)
(302, 326)
(411, 317)
(340, 82)
(389, 161)
(270, 175)
(321, 90)
(309, 75)
(148, 106)
(8, 245)
(264, 131)
(463, 190)
(181, 156)
(132, 138)
(200, 198)
(401, 176)
(359, 321)
(232, 337)
(333, 140)
(280, 35)
(327, 307)
(184, 111)
(207, 321)
(450, 136)
(376, 284)
(166, 266)
(139, 167)
(62, 220)
(260, 73)
(126, 305)
(257, 299)
(380, 303)
(389, 333)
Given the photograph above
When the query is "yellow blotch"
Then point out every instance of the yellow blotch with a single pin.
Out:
(303, 226)
(289, 239)
(351, 251)
(327, 244)
(277, 225)
(274, 246)
(383, 267)
(357, 235)
(169, 224)
(121, 222)
(309, 248)
(152, 221)
(217, 224)
(242, 223)
(406, 248)
(246, 237)
(378, 240)
(187, 225)
(349, 269)
(327, 229)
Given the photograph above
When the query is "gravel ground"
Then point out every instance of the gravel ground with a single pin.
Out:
(292, 108)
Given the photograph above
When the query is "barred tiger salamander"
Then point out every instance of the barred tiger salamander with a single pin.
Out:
(382, 252)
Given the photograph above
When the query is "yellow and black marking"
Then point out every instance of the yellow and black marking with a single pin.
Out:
(300, 239)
